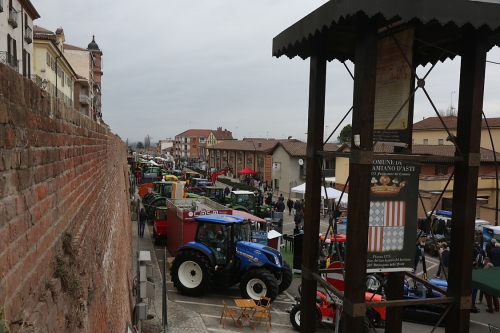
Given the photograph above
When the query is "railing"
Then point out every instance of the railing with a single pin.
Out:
(13, 17)
(37, 79)
(84, 99)
(9, 60)
(28, 34)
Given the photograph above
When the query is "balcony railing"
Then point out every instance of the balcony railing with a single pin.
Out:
(28, 34)
(84, 99)
(9, 60)
(38, 80)
(13, 17)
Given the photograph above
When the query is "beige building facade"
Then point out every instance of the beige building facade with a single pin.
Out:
(16, 35)
(430, 131)
(51, 69)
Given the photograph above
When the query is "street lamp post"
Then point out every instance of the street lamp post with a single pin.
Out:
(255, 160)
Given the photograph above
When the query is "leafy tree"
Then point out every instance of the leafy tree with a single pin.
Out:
(345, 135)
(139, 145)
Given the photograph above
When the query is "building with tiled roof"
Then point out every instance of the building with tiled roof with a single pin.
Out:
(190, 144)
(434, 176)
(289, 164)
(218, 136)
(239, 154)
(16, 35)
(52, 70)
(88, 88)
(430, 131)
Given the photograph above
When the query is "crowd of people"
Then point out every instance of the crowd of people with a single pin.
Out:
(482, 259)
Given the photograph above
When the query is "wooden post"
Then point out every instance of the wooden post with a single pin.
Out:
(470, 106)
(360, 167)
(316, 119)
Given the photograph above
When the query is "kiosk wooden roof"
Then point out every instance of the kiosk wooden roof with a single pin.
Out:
(349, 30)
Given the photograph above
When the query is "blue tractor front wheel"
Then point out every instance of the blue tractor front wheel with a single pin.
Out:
(259, 282)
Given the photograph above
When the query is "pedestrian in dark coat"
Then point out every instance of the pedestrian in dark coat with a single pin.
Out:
(494, 255)
(289, 204)
(297, 206)
(143, 217)
(280, 206)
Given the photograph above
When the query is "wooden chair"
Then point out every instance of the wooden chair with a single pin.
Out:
(263, 312)
(494, 329)
(226, 311)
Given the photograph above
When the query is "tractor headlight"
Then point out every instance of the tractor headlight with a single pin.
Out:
(277, 261)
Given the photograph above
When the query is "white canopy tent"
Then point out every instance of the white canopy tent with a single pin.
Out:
(153, 163)
(329, 192)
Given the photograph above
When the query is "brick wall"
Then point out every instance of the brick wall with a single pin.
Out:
(65, 243)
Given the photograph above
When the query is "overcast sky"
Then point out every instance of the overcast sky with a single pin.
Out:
(174, 65)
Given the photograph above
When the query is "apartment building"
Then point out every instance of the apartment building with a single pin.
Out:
(51, 69)
(16, 35)
(87, 64)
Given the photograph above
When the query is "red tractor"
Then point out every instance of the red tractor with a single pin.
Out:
(214, 175)
(327, 311)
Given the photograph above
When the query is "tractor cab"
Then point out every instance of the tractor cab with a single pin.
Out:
(199, 182)
(163, 189)
(215, 193)
(189, 175)
(160, 224)
(243, 200)
(220, 237)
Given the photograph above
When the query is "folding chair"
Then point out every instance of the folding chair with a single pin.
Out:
(226, 311)
(494, 329)
(263, 312)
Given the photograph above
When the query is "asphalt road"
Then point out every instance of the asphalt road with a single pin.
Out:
(210, 305)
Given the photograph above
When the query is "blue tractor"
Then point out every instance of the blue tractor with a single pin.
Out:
(222, 255)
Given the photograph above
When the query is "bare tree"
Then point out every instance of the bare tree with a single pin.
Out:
(147, 141)
(449, 112)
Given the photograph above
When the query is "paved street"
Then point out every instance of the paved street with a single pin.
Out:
(202, 314)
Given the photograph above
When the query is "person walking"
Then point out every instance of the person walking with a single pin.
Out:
(143, 217)
(490, 299)
(490, 245)
(280, 206)
(418, 254)
(445, 259)
(474, 308)
(438, 274)
(494, 255)
(297, 206)
(298, 221)
(289, 204)
(227, 191)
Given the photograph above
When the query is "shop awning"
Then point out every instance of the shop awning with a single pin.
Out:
(486, 280)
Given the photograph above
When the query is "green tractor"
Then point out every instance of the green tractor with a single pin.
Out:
(215, 193)
(247, 201)
(157, 197)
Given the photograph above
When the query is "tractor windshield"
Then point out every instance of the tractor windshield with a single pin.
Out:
(246, 200)
(242, 232)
